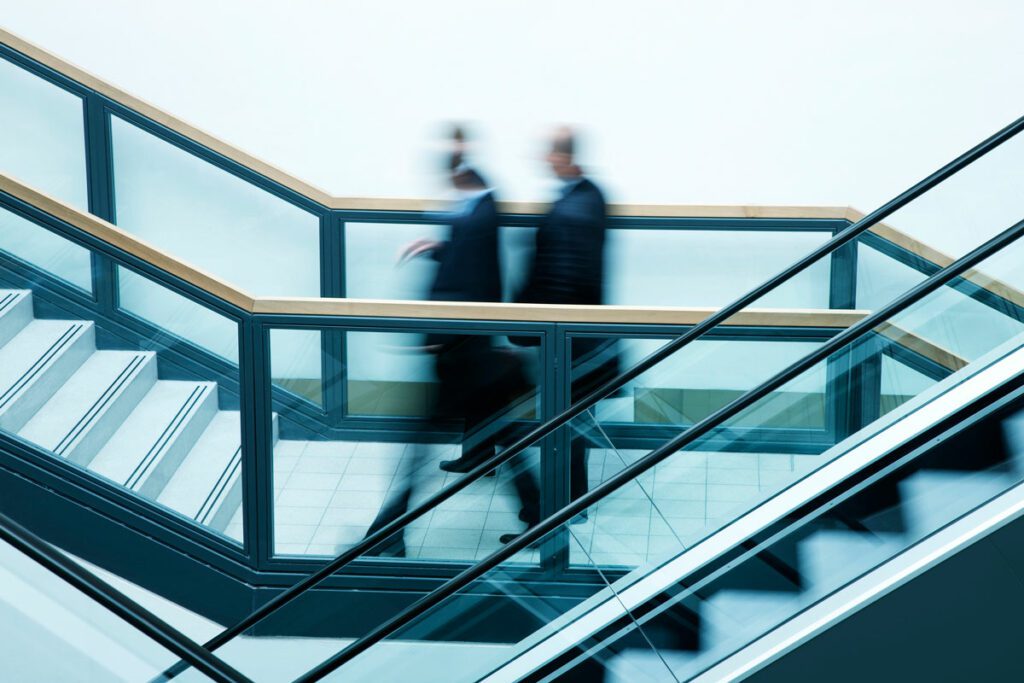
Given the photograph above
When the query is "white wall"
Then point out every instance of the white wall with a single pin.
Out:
(788, 102)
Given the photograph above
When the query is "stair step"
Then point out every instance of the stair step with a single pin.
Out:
(84, 413)
(1013, 439)
(36, 363)
(830, 559)
(15, 312)
(207, 487)
(644, 666)
(732, 618)
(156, 437)
(934, 498)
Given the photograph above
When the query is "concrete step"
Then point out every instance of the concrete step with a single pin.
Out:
(830, 559)
(147, 449)
(934, 498)
(92, 404)
(36, 362)
(207, 487)
(15, 312)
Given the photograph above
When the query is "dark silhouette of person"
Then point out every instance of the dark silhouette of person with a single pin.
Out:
(568, 268)
(475, 380)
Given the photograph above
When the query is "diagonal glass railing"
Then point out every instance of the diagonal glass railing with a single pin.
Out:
(446, 609)
(928, 475)
(62, 622)
(736, 605)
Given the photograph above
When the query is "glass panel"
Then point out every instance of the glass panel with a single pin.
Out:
(295, 363)
(42, 135)
(814, 556)
(372, 270)
(410, 408)
(168, 310)
(44, 249)
(881, 278)
(663, 267)
(214, 220)
(694, 382)
(49, 631)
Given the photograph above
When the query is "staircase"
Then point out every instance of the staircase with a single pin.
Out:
(737, 609)
(109, 412)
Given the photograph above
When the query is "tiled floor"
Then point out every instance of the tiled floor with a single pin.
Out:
(677, 504)
(328, 492)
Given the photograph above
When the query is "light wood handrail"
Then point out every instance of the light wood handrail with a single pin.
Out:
(442, 310)
(115, 236)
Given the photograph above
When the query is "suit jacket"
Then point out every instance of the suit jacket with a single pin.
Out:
(568, 268)
(468, 267)
(568, 263)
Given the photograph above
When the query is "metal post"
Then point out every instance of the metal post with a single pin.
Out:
(100, 178)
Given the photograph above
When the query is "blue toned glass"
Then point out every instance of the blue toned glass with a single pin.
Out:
(42, 135)
(212, 219)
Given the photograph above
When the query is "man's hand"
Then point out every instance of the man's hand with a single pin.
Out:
(416, 248)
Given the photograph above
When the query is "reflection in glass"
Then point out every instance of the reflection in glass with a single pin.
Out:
(45, 250)
(170, 311)
(53, 632)
(421, 413)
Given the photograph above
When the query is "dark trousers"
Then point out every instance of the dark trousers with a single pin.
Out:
(476, 383)
(594, 362)
(525, 481)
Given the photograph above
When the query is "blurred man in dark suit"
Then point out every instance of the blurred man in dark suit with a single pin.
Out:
(476, 382)
(568, 268)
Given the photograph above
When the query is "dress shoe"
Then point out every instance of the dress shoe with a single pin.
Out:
(461, 466)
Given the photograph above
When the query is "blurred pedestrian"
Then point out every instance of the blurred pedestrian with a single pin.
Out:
(568, 268)
(475, 380)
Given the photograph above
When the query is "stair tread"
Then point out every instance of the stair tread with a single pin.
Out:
(15, 312)
(830, 558)
(103, 372)
(934, 498)
(734, 615)
(30, 346)
(156, 420)
(207, 464)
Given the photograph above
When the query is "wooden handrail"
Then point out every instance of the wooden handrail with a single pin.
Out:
(233, 295)
(211, 284)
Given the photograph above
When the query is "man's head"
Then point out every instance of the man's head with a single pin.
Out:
(561, 154)
(461, 175)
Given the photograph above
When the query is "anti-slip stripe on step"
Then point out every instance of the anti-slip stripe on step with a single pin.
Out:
(97, 407)
(219, 488)
(164, 439)
(6, 301)
(33, 370)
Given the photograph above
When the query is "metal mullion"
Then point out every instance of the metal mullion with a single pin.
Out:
(555, 451)
(333, 370)
(100, 181)
(257, 442)
(843, 275)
